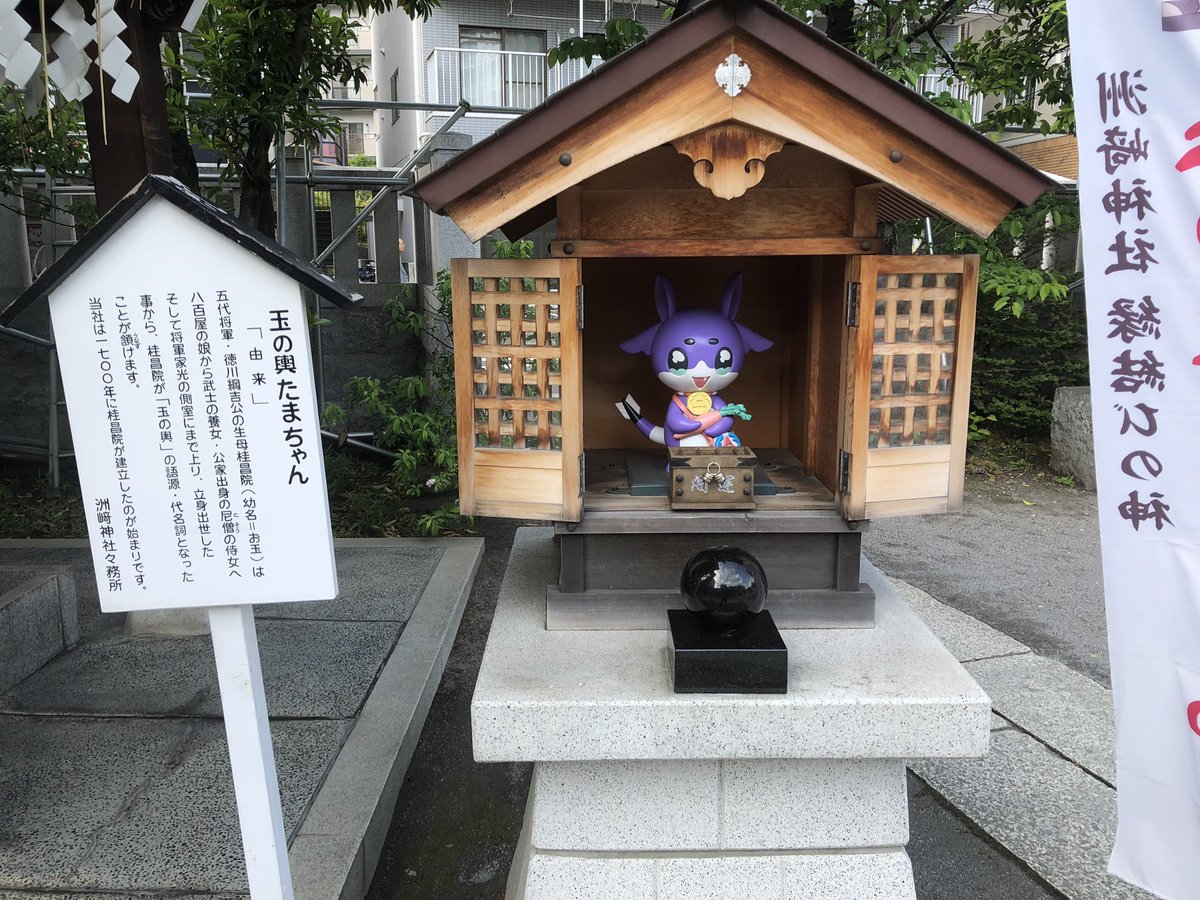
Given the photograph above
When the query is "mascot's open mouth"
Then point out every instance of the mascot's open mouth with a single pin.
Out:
(700, 382)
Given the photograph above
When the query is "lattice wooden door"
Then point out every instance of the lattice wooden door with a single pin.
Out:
(518, 369)
(911, 384)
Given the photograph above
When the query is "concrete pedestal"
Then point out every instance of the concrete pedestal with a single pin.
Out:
(641, 792)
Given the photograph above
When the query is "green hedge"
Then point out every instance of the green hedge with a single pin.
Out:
(1020, 362)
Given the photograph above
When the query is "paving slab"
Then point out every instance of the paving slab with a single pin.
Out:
(1051, 814)
(114, 773)
(1060, 707)
(311, 669)
(378, 583)
(61, 780)
(138, 804)
(964, 636)
(953, 860)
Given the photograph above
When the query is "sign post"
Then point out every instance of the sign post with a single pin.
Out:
(185, 361)
(244, 706)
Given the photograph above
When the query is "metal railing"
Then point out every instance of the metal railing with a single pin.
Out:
(496, 78)
(940, 83)
(349, 91)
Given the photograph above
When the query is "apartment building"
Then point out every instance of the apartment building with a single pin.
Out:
(490, 52)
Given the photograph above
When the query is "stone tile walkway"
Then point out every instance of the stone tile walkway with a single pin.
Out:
(114, 773)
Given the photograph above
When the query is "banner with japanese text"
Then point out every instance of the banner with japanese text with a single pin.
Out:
(1136, 71)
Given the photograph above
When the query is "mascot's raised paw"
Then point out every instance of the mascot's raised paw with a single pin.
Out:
(696, 353)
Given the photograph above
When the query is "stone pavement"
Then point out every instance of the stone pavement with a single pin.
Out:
(1046, 790)
(114, 775)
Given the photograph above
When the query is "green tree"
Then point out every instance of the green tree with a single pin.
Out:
(265, 62)
(27, 141)
(1027, 61)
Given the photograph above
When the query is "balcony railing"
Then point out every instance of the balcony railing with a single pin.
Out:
(500, 78)
(948, 84)
(349, 92)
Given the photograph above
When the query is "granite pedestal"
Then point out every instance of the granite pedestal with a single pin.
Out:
(641, 792)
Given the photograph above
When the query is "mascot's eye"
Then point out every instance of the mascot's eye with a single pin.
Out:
(714, 340)
(724, 360)
(689, 341)
(677, 360)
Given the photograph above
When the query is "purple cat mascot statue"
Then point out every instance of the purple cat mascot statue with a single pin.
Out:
(696, 353)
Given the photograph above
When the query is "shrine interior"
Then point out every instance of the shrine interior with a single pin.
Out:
(791, 390)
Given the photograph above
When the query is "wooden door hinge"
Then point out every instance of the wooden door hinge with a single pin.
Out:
(579, 306)
(844, 460)
(853, 289)
(582, 477)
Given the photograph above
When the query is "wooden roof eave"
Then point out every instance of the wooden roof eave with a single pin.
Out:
(518, 168)
(686, 99)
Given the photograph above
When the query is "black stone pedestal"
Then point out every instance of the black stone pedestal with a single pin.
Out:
(750, 660)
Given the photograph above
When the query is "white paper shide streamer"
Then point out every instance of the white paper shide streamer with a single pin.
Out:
(86, 40)
(1135, 67)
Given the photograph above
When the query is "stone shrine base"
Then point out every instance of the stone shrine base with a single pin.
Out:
(641, 792)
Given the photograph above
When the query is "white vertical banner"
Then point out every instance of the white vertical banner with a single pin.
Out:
(1136, 68)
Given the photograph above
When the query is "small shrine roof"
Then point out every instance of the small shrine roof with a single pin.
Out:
(204, 212)
(513, 175)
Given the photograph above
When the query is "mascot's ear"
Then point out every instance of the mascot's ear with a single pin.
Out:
(731, 296)
(664, 297)
(753, 340)
(641, 343)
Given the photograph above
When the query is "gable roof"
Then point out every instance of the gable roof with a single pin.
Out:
(198, 208)
(807, 53)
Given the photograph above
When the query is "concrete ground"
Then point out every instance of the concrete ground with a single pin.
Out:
(114, 773)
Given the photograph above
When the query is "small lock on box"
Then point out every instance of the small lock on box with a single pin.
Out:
(712, 477)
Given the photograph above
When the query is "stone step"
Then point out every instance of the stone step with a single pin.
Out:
(39, 619)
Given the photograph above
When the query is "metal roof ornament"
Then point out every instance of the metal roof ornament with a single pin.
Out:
(733, 75)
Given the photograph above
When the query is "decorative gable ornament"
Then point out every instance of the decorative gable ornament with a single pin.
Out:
(733, 75)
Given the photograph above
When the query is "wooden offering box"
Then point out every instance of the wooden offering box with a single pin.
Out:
(737, 139)
(711, 477)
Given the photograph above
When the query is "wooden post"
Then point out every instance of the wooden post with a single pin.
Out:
(128, 141)
(251, 756)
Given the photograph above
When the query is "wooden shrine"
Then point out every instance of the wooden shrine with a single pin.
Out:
(737, 139)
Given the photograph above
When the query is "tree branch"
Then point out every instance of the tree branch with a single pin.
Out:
(943, 13)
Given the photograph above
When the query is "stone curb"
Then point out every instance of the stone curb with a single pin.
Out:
(337, 848)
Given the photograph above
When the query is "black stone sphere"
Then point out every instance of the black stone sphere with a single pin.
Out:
(724, 586)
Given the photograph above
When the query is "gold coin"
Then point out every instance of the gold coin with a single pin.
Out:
(698, 403)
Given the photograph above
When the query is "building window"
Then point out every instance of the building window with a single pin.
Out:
(394, 92)
(354, 139)
(502, 66)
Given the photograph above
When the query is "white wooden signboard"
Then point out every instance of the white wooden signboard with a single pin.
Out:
(183, 345)
(187, 373)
